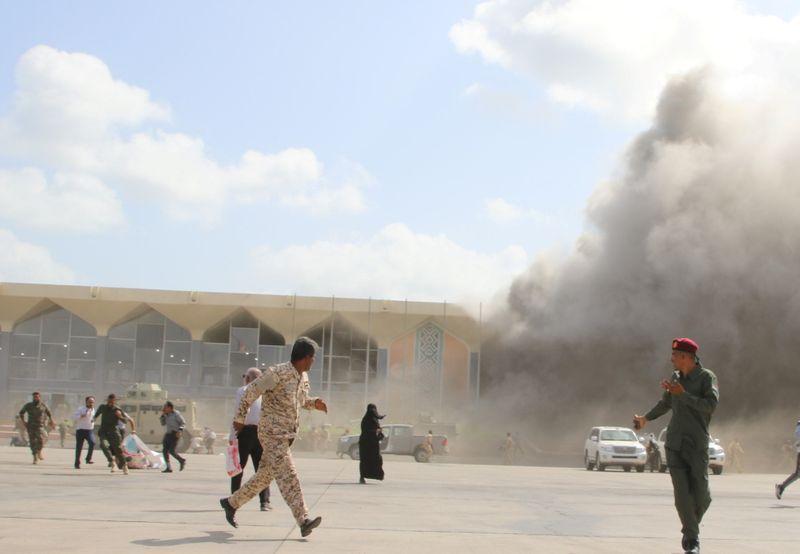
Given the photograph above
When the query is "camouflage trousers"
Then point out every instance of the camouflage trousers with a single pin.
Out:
(36, 438)
(276, 463)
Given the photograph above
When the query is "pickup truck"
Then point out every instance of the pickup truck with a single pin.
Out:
(399, 439)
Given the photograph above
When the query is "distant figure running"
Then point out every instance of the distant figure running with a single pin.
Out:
(779, 488)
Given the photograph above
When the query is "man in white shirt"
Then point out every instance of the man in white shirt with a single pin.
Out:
(249, 445)
(84, 430)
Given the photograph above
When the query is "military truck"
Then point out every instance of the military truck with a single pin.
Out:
(143, 402)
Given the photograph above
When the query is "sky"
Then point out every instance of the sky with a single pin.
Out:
(420, 150)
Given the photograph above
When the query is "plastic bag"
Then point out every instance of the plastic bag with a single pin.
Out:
(151, 459)
(232, 464)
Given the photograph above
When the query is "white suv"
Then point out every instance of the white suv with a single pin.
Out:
(716, 454)
(614, 446)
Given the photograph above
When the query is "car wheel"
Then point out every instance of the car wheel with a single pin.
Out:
(421, 456)
(598, 465)
(639, 469)
(627, 469)
(354, 452)
(589, 465)
(717, 470)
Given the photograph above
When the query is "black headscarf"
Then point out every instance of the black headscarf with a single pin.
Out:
(372, 410)
(371, 419)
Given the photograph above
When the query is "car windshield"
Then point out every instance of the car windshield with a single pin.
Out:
(617, 435)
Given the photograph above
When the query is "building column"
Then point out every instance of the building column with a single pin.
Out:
(196, 365)
(5, 359)
(100, 369)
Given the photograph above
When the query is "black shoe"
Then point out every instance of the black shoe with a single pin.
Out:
(362, 481)
(183, 464)
(265, 507)
(168, 470)
(778, 491)
(692, 546)
(230, 511)
(77, 466)
(89, 462)
(309, 525)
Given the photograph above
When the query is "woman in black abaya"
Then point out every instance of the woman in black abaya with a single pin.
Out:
(369, 445)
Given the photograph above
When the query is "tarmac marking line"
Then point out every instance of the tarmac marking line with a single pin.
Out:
(313, 505)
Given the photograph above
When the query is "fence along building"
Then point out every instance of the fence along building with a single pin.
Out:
(70, 341)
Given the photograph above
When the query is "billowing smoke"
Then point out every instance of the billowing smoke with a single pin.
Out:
(698, 235)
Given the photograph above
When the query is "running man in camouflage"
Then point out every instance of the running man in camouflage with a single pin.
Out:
(284, 389)
(39, 422)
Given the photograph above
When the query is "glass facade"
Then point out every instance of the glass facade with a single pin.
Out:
(55, 345)
(236, 344)
(347, 362)
(148, 349)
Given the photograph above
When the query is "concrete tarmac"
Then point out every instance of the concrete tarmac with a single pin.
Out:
(436, 507)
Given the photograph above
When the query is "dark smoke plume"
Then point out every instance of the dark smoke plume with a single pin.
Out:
(699, 236)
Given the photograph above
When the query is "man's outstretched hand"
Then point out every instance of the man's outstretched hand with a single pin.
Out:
(639, 422)
(672, 387)
(319, 404)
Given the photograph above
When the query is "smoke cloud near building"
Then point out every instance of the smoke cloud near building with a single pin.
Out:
(696, 235)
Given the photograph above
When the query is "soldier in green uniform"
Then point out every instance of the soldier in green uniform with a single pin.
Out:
(692, 395)
(39, 422)
(110, 415)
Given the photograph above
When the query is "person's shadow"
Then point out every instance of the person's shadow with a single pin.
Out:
(213, 537)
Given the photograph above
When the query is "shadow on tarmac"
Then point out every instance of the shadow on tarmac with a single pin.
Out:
(213, 537)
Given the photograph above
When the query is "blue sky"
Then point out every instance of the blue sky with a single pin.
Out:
(371, 88)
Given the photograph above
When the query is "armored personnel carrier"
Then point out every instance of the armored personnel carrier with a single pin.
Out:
(143, 403)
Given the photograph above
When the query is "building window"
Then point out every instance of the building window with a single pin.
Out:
(148, 349)
(346, 363)
(237, 344)
(51, 344)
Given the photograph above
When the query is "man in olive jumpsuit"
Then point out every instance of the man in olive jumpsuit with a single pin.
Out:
(692, 395)
(284, 389)
(39, 422)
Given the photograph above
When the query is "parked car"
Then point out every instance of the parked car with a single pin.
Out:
(716, 454)
(614, 446)
(399, 439)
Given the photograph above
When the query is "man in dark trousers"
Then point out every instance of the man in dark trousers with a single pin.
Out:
(110, 415)
(173, 423)
(84, 430)
(249, 445)
(692, 395)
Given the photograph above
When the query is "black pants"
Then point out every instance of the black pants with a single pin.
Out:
(794, 476)
(80, 436)
(249, 446)
(111, 442)
(169, 444)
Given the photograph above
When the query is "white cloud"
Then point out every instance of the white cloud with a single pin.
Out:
(501, 211)
(394, 263)
(616, 56)
(74, 203)
(69, 115)
(24, 262)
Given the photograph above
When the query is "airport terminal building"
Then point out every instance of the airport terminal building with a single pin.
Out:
(71, 341)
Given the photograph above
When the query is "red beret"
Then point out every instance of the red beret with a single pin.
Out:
(685, 345)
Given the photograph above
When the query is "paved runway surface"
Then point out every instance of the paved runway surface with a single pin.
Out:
(424, 507)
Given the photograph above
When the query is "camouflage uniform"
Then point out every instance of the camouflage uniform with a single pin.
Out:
(35, 424)
(284, 392)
